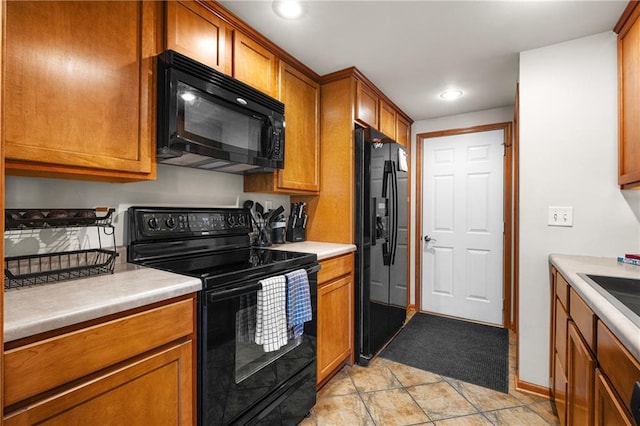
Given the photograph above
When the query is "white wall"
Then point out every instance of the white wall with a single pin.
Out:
(568, 157)
(461, 121)
(175, 186)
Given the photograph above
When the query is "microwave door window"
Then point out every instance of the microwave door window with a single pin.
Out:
(214, 123)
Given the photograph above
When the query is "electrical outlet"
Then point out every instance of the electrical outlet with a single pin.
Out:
(560, 216)
(268, 205)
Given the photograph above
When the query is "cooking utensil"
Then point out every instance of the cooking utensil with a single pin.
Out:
(249, 205)
(259, 210)
(273, 215)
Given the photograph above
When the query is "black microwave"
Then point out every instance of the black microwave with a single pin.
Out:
(208, 120)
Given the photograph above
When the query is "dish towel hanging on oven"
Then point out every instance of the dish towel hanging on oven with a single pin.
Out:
(298, 302)
(246, 319)
(271, 318)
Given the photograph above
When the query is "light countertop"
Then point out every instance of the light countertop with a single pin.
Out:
(623, 327)
(322, 249)
(33, 310)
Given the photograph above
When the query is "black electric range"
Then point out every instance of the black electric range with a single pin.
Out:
(239, 381)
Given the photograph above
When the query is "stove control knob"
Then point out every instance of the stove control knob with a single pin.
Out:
(241, 220)
(153, 223)
(170, 222)
(231, 220)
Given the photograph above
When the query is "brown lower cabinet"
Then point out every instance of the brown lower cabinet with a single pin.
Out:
(580, 379)
(134, 369)
(608, 410)
(595, 388)
(335, 316)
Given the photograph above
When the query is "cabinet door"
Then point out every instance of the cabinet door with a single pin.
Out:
(335, 324)
(78, 85)
(153, 390)
(629, 93)
(560, 391)
(608, 410)
(366, 105)
(580, 380)
(301, 173)
(255, 65)
(197, 33)
(561, 334)
(403, 131)
(301, 97)
(388, 120)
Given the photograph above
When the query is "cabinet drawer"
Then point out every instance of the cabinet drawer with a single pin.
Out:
(562, 290)
(584, 318)
(335, 267)
(622, 369)
(40, 366)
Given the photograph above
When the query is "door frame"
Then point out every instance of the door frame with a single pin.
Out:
(509, 243)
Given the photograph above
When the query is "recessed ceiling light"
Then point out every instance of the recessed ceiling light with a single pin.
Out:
(288, 9)
(451, 94)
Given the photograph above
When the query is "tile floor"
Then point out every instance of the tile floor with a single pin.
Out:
(388, 393)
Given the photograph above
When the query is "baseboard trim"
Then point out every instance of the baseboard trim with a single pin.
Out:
(531, 388)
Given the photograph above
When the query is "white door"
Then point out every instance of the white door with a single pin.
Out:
(463, 216)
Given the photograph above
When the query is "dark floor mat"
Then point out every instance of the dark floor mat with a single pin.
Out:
(462, 350)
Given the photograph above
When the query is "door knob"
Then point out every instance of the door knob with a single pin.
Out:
(428, 238)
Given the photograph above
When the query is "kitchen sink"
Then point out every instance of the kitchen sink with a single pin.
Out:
(624, 293)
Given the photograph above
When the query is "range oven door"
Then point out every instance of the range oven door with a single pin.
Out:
(240, 383)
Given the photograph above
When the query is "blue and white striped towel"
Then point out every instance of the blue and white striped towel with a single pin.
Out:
(271, 319)
(298, 302)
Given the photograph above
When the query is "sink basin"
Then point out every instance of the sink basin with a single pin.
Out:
(624, 293)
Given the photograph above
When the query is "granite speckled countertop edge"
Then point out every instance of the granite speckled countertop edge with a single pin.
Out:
(34, 310)
(621, 326)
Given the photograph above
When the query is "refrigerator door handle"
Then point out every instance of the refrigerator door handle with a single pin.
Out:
(374, 222)
(394, 235)
(388, 171)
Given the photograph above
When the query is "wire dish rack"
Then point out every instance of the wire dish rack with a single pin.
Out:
(35, 269)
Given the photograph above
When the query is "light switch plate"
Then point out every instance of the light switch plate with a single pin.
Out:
(560, 216)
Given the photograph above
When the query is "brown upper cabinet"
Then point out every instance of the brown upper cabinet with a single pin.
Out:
(196, 32)
(373, 110)
(255, 65)
(628, 29)
(301, 173)
(79, 96)
(387, 119)
(366, 105)
(403, 130)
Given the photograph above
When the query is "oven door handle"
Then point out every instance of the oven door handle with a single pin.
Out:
(253, 286)
(313, 269)
(220, 294)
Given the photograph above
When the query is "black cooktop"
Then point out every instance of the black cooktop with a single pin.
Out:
(226, 267)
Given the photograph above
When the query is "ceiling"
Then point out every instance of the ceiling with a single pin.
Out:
(414, 50)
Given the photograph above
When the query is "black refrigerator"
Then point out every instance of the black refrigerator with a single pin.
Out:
(381, 239)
